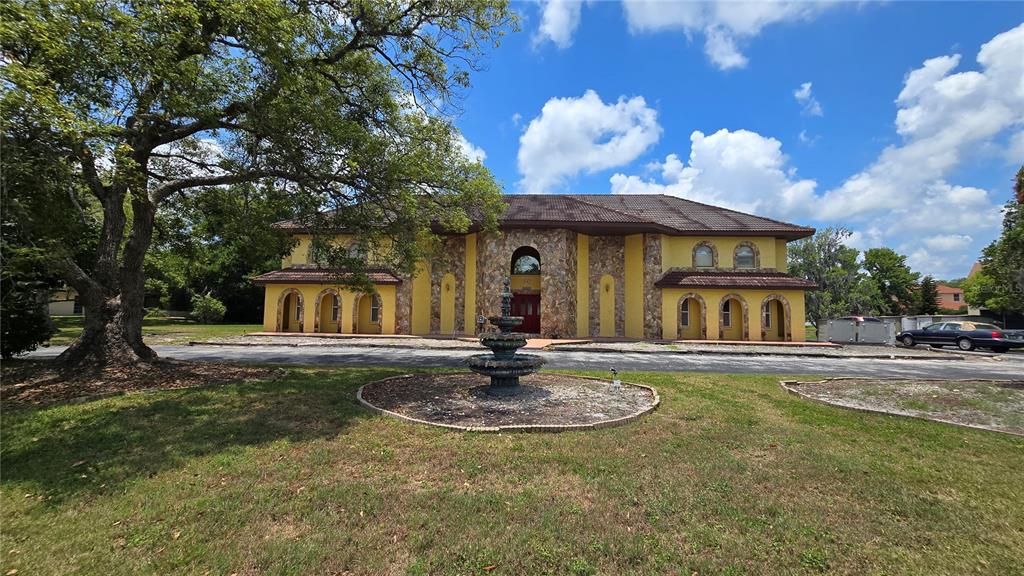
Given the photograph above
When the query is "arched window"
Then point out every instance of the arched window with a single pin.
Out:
(335, 307)
(526, 260)
(744, 257)
(375, 309)
(703, 257)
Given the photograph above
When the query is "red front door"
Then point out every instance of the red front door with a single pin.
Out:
(527, 306)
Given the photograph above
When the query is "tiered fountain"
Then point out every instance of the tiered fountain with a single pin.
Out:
(503, 365)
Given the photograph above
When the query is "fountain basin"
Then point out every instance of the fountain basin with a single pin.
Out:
(504, 371)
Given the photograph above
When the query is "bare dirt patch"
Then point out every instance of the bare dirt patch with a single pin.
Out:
(547, 401)
(45, 382)
(988, 404)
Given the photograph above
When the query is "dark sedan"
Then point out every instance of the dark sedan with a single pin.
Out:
(964, 335)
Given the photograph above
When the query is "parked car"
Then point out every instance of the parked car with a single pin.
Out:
(964, 335)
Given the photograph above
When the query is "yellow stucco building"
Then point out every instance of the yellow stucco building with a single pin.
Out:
(626, 266)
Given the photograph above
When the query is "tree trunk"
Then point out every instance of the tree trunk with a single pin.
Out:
(114, 297)
(112, 336)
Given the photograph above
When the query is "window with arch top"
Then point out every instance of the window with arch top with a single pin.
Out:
(703, 257)
(744, 257)
(526, 260)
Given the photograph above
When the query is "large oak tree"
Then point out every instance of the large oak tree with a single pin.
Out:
(345, 104)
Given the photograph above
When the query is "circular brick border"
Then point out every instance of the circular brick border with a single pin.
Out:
(514, 427)
(793, 387)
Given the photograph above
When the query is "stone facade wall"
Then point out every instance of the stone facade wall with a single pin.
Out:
(451, 258)
(652, 295)
(403, 305)
(607, 256)
(557, 250)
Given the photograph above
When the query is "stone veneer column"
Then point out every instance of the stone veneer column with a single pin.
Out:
(652, 294)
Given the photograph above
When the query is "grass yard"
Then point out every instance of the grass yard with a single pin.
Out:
(731, 475)
(157, 330)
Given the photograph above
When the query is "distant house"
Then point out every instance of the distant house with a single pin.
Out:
(950, 298)
(64, 302)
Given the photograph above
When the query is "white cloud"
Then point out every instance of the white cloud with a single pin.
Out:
(1015, 152)
(558, 22)
(807, 139)
(810, 105)
(470, 151)
(946, 242)
(724, 23)
(721, 48)
(943, 117)
(741, 170)
(573, 135)
(517, 118)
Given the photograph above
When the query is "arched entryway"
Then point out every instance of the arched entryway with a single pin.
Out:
(327, 315)
(367, 314)
(448, 304)
(525, 277)
(289, 311)
(732, 318)
(776, 323)
(692, 317)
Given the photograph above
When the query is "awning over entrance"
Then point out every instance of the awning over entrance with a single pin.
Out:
(320, 276)
(679, 278)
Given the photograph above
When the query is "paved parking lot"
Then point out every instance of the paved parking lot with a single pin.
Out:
(1009, 366)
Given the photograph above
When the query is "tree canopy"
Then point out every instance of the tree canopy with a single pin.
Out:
(842, 288)
(999, 286)
(893, 279)
(114, 109)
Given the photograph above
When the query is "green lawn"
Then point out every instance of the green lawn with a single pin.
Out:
(729, 476)
(157, 330)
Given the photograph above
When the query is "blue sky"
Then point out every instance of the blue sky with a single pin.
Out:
(902, 121)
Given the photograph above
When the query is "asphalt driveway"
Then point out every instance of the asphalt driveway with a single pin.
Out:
(1006, 367)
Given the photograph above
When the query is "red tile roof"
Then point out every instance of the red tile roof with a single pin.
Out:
(677, 278)
(320, 276)
(629, 214)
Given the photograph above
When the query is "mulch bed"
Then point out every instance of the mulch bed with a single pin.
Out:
(36, 383)
(546, 401)
(987, 404)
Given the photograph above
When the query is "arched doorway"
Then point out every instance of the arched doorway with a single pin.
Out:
(327, 315)
(289, 311)
(692, 317)
(368, 314)
(525, 284)
(732, 318)
(448, 304)
(776, 323)
(606, 306)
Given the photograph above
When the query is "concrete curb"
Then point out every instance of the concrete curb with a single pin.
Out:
(747, 353)
(791, 387)
(565, 348)
(516, 427)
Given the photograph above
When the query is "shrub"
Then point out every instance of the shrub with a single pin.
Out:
(207, 309)
(153, 313)
(24, 320)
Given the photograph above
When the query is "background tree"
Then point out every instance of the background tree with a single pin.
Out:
(213, 241)
(999, 285)
(346, 106)
(927, 297)
(893, 279)
(842, 288)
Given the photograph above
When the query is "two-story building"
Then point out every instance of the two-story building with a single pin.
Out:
(635, 266)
